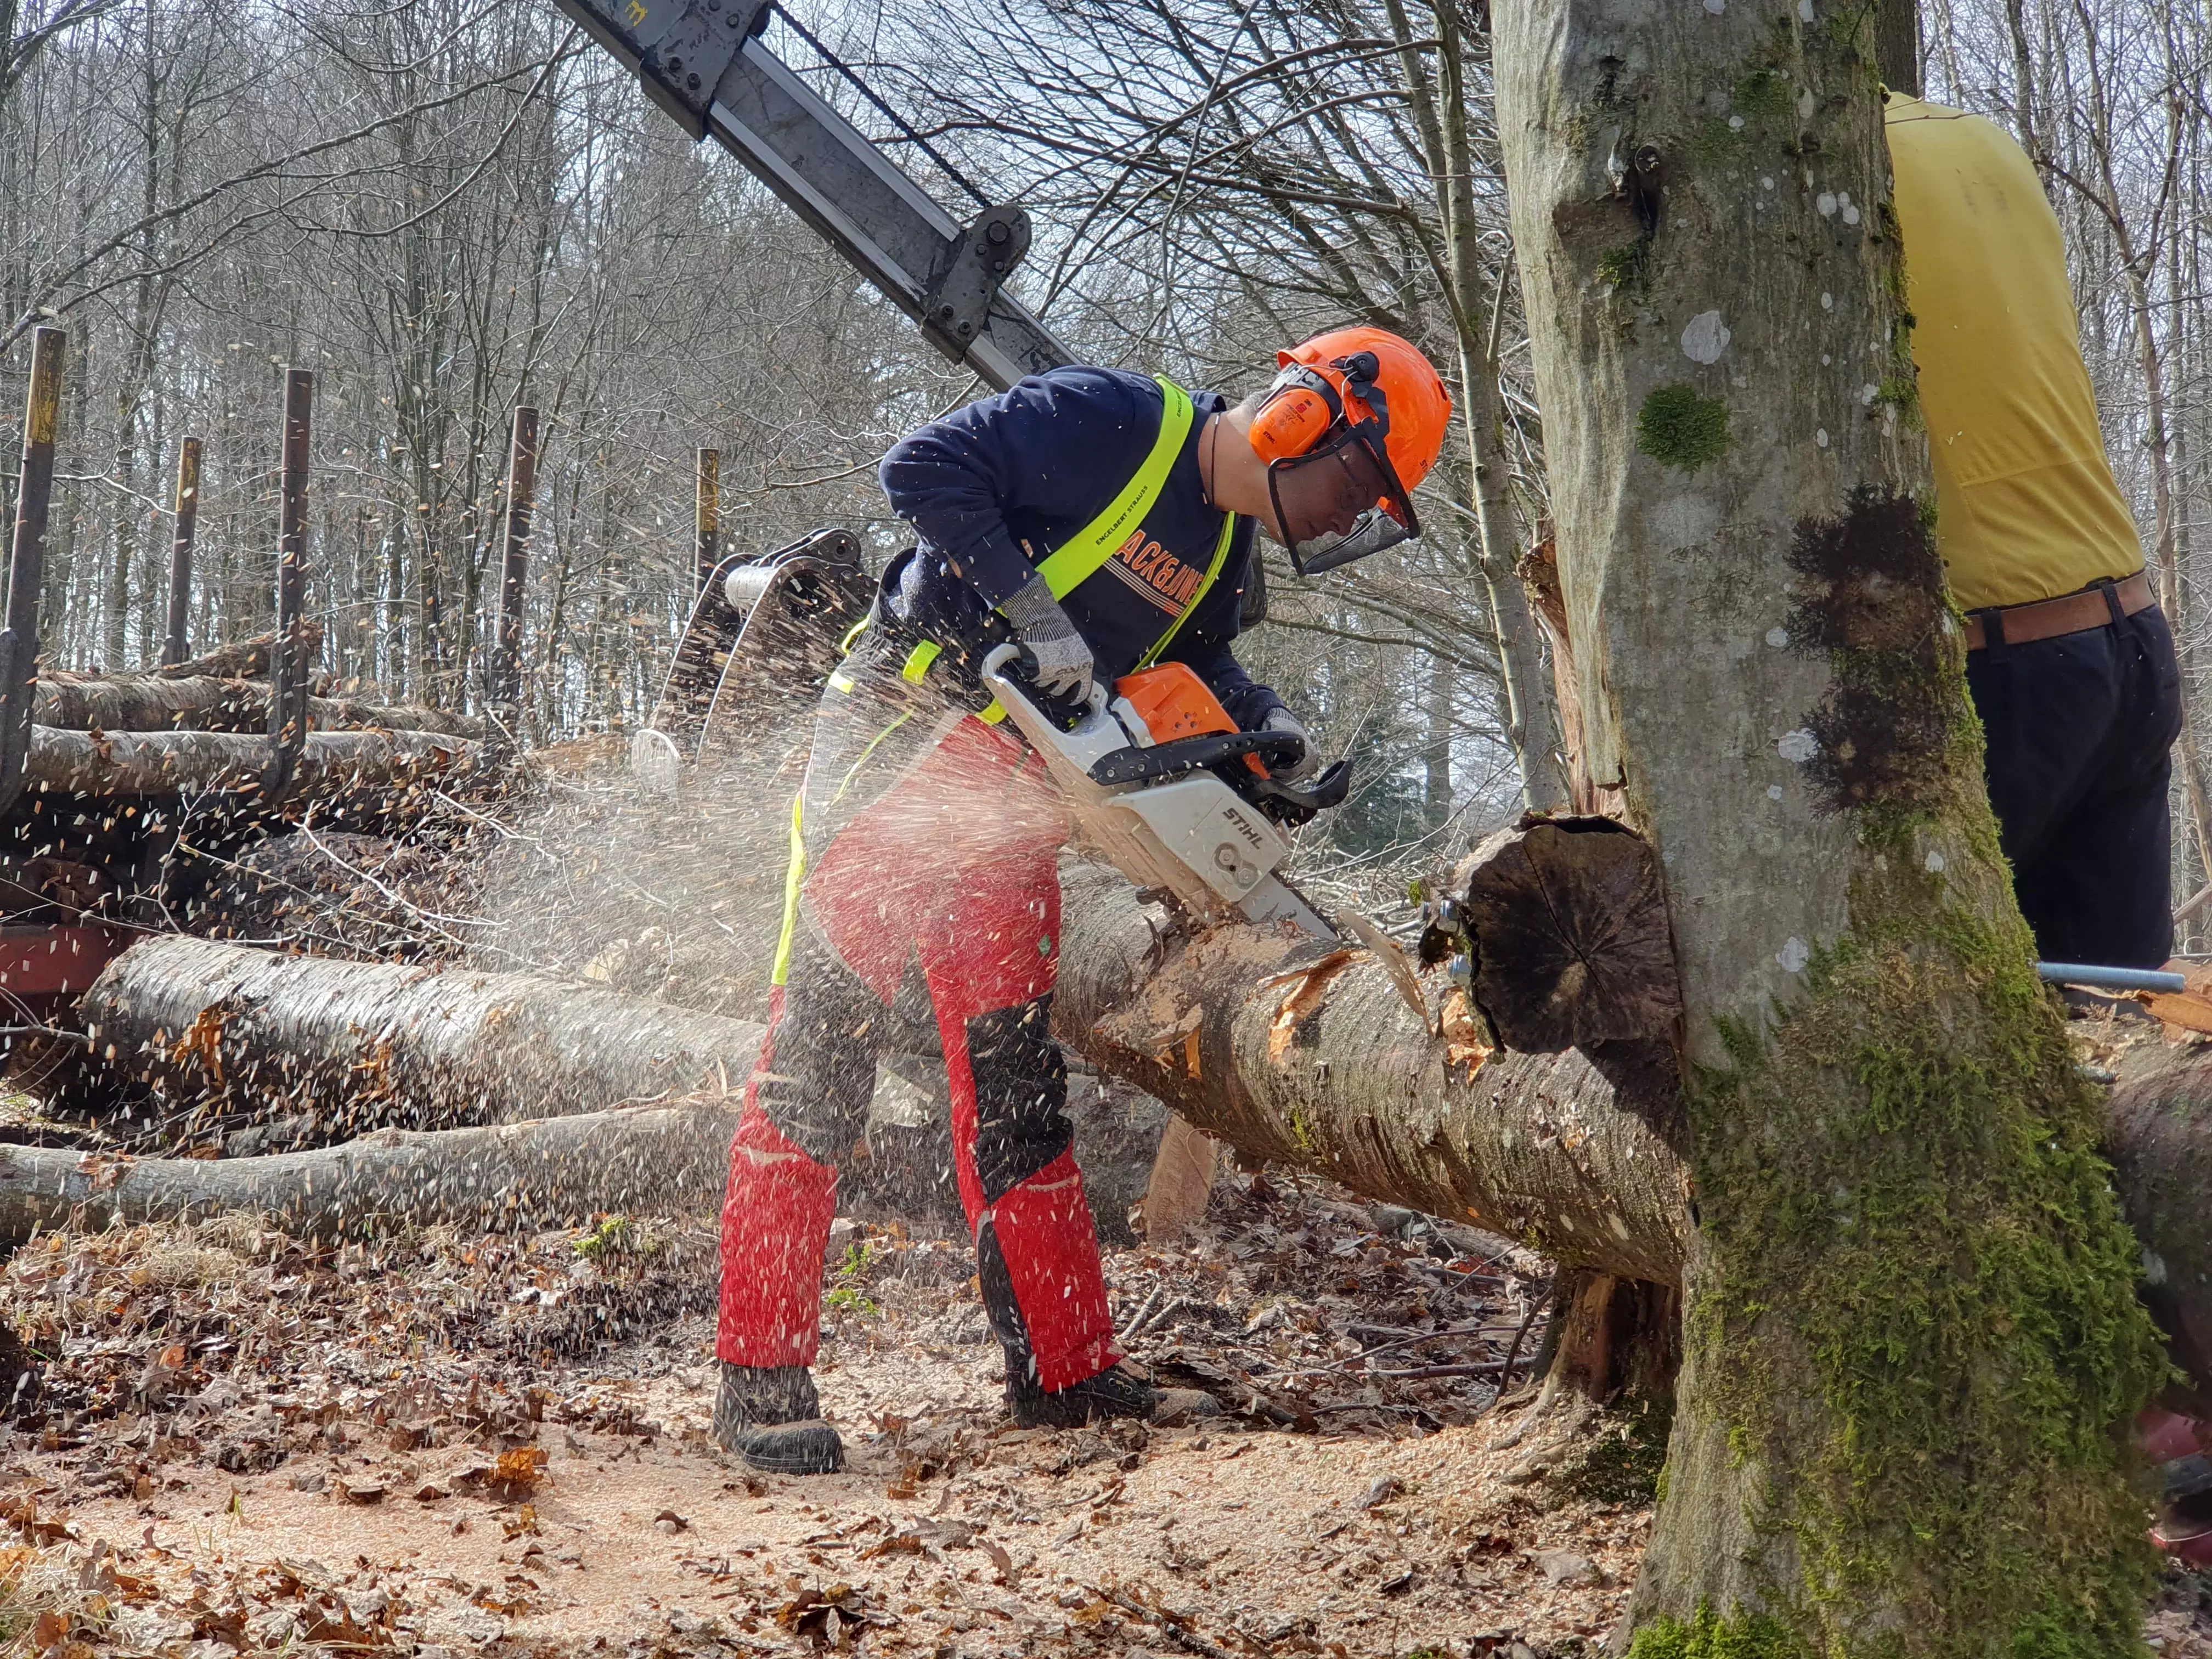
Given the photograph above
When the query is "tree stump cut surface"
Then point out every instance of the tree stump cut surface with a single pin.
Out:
(1571, 942)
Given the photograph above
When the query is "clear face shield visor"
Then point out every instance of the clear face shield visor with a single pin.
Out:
(1340, 501)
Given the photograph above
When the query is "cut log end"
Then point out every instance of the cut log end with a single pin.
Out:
(1571, 945)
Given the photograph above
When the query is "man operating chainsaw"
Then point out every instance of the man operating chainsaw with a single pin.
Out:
(1102, 523)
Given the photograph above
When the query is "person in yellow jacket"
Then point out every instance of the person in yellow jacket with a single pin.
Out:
(2069, 660)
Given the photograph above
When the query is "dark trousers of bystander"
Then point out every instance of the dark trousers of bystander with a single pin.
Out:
(2080, 730)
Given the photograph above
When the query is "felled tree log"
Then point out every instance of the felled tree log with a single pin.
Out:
(2159, 1140)
(1296, 1052)
(549, 1173)
(146, 703)
(225, 1028)
(1571, 944)
(1292, 1051)
(241, 659)
(163, 762)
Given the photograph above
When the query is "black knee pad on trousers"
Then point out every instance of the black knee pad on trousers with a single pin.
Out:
(822, 1072)
(1021, 1095)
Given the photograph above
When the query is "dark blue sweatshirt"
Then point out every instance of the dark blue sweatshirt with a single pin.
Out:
(994, 489)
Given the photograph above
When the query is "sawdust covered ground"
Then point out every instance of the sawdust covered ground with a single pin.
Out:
(465, 1446)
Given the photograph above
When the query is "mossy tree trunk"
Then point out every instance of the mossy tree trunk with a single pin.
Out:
(1912, 1339)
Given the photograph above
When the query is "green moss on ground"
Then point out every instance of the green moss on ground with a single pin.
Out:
(1678, 427)
(1709, 1637)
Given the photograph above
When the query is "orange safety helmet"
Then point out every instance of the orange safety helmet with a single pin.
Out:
(1354, 421)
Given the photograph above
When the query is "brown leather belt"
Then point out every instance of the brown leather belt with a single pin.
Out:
(2076, 613)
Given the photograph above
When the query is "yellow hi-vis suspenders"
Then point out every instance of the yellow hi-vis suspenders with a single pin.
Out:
(1075, 560)
(1071, 564)
(1078, 559)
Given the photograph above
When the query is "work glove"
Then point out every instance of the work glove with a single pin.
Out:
(1281, 719)
(1059, 657)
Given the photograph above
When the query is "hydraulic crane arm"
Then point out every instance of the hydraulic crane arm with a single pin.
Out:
(705, 64)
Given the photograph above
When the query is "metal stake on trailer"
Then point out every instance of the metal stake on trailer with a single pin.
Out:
(181, 551)
(19, 640)
(288, 656)
(707, 516)
(514, 567)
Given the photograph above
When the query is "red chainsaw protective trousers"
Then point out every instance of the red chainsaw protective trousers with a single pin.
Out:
(929, 868)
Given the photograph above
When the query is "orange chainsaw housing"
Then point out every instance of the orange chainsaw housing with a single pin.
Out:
(1173, 702)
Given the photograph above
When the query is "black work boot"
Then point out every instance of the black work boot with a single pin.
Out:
(1114, 1392)
(768, 1416)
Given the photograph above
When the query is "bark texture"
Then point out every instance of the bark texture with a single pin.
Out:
(1307, 1056)
(1912, 1338)
(1290, 1050)
(220, 1029)
(147, 702)
(2160, 1139)
(550, 1173)
(241, 658)
(170, 762)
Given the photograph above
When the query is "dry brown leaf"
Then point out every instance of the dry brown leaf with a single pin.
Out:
(1181, 1180)
(2185, 1010)
(524, 1520)
(516, 1473)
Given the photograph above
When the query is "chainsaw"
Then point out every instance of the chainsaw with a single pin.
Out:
(1176, 797)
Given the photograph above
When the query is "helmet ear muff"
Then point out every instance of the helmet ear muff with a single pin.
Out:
(1299, 409)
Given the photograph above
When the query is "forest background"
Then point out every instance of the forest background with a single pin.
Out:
(451, 207)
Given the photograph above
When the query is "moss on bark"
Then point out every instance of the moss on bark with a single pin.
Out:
(1929, 1228)
(1901, 1184)
(1711, 1636)
(1680, 428)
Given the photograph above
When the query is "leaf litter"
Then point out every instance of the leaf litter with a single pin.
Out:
(202, 1410)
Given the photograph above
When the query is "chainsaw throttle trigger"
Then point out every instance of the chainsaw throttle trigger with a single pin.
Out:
(1168, 760)
(1289, 805)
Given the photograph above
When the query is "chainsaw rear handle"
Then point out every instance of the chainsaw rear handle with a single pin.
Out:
(1010, 664)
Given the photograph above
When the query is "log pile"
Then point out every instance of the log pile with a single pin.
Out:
(206, 1032)
(332, 763)
(1537, 1107)
(150, 702)
(203, 724)
(549, 1173)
